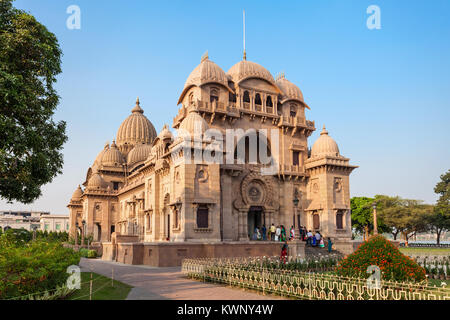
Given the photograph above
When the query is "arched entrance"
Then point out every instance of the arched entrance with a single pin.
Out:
(255, 219)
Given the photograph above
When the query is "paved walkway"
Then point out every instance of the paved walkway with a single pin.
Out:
(151, 283)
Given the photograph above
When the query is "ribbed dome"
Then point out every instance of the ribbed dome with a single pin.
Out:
(136, 128)
(112, 156)
(290, 90)
(99, 157)
(324, 146)
(206, 72)
(165, 133)
(193, 124)
(78, 193)
(96, 182)
(246, 69)
(139, 153)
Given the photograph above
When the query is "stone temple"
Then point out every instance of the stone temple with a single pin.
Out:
(147, 199)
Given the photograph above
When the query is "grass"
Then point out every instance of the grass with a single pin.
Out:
(437, 282)
(102, 288)
(425, 251)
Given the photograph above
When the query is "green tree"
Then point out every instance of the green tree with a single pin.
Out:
(30, 141)
(362, 214)
(439, 218)
(404, 216)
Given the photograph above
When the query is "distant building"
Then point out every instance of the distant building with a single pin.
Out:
(21, 219)
(54, 222)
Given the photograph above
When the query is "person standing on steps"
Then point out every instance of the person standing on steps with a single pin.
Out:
(330, 244)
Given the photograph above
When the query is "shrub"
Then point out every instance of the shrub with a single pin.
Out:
(378, 251)
(32, 267)
(85, 253)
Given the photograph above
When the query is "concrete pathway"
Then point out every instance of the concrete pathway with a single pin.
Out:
(152, 283)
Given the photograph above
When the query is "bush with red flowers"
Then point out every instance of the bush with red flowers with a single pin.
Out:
(394, 265)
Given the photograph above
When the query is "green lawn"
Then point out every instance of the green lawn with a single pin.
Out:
(102, 288)
(425, 251)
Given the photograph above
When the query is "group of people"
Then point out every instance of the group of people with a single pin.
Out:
(274, 233)
(278, 233)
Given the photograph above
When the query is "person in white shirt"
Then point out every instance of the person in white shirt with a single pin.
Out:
(277, 233)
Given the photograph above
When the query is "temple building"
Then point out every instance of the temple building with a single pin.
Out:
(150, 189)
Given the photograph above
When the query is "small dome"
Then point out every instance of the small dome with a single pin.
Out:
(78, 193)
(165, 133)
(98, 159)
(246, 69)
(139, 153)
(136, 128)
(290, 90)
(112, 156)
(96, 182)
(206, 72)
(324, 146)
(193, 124)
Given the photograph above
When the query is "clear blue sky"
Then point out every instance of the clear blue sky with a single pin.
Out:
(384, 95)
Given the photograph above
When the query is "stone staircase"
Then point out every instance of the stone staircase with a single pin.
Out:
(317, 252)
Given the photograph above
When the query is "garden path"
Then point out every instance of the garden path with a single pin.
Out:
(152, 283)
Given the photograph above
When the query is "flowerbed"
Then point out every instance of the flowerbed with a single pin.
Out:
(378, 251)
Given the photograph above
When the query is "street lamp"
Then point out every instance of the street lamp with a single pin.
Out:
(296, 201)
(375, 225)
(76, 233)
(83, 232)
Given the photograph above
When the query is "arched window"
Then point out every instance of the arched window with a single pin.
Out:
(191, 99)
(253, 142)
(232, 97)
(269, 102)
(293, 110)
(258, 99)
(246, 97)
(279, 109)
(214, 95)
(340, 220)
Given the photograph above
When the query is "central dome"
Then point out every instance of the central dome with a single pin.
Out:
(136, 129)
(246, 69)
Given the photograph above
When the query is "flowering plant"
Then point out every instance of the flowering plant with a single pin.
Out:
(378, 251)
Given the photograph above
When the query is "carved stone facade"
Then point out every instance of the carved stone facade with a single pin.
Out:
(151, 187)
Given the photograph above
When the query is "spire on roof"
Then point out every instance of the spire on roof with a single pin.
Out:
(324, 130)
(137, 107)
(205, 56)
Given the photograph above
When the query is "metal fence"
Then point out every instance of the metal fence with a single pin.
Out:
(240, 272)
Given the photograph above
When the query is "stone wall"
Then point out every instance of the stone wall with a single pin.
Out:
(171, 254)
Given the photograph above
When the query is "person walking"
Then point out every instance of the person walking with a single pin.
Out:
(330, 244)
(284, 250)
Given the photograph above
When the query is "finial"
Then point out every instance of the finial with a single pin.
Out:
(137, 107)
(324, 130)
(205, 56)
(243, 16)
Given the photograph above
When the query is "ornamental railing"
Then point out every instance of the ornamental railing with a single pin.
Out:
(243, 273)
